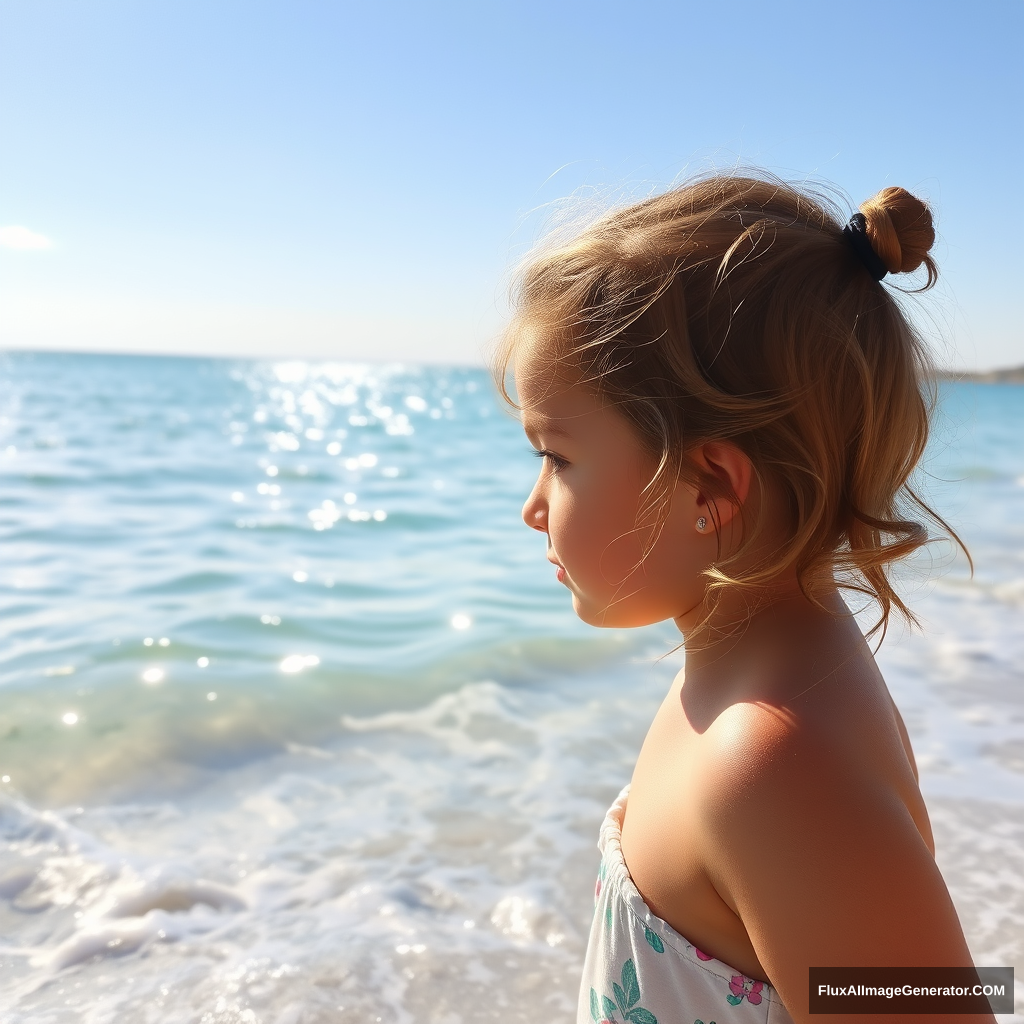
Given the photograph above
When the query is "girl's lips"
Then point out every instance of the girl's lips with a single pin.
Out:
(559, 571)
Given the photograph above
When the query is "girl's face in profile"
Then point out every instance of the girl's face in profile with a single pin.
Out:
(588, 500)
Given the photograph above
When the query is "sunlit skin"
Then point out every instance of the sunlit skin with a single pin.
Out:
(774, 818)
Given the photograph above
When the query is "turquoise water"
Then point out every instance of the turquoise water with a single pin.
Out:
(296, 724)
(246, 514)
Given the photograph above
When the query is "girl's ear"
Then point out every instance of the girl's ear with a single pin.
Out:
(734, 471)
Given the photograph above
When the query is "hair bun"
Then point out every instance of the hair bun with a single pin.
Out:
(899, 227)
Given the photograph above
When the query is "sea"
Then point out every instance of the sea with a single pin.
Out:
(297, 726)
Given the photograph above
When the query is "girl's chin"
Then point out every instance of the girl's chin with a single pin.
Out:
(585, 611)
(604, 617)
(622, 615)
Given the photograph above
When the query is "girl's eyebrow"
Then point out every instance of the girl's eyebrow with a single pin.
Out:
(543, 424)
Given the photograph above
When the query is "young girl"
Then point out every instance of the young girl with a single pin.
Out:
(729, 404)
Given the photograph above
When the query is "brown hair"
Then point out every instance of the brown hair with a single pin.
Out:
(733, 308)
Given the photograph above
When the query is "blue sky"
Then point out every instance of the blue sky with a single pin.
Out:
(354, 181)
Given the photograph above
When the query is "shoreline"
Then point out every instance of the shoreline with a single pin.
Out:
(1006, 375)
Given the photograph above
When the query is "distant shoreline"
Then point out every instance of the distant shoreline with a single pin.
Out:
(1008, 375)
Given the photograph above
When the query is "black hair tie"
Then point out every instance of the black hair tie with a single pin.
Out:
(856, 234)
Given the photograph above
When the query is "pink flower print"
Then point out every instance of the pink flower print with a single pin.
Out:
(741, 986)
(703, 956)
(601, 875)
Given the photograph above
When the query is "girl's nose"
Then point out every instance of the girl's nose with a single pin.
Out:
(535, 513)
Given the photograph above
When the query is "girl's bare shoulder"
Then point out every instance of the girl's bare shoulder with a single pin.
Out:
(838, 739)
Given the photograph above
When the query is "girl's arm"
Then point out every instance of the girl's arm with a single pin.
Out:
(822, 862)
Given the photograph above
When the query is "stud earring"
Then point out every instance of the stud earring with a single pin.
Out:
(701, 523)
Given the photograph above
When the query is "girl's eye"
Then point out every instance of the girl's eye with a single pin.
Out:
(555, 461)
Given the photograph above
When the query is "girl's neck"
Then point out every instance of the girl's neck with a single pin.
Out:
(778, 625)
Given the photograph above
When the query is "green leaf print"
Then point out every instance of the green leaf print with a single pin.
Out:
(630, 984)
(627, 995)
(620, 997)
(638, 1015)
(654, 941)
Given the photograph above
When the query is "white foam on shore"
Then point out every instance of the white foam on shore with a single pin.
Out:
(440, 858)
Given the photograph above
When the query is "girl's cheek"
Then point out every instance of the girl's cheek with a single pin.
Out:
(564, 530)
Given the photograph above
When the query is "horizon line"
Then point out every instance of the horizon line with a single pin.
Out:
(1000, 374)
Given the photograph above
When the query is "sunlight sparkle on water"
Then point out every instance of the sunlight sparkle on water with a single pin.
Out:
(325, 516)
(153, 675)
(461, 621)
(69, 718)
(297, 662)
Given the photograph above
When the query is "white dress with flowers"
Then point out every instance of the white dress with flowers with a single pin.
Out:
(640, 970)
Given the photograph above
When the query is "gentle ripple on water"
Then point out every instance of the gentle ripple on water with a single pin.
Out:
(250, 514)
(297, 726)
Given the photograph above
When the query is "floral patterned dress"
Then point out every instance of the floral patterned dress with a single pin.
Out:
(641, 970)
